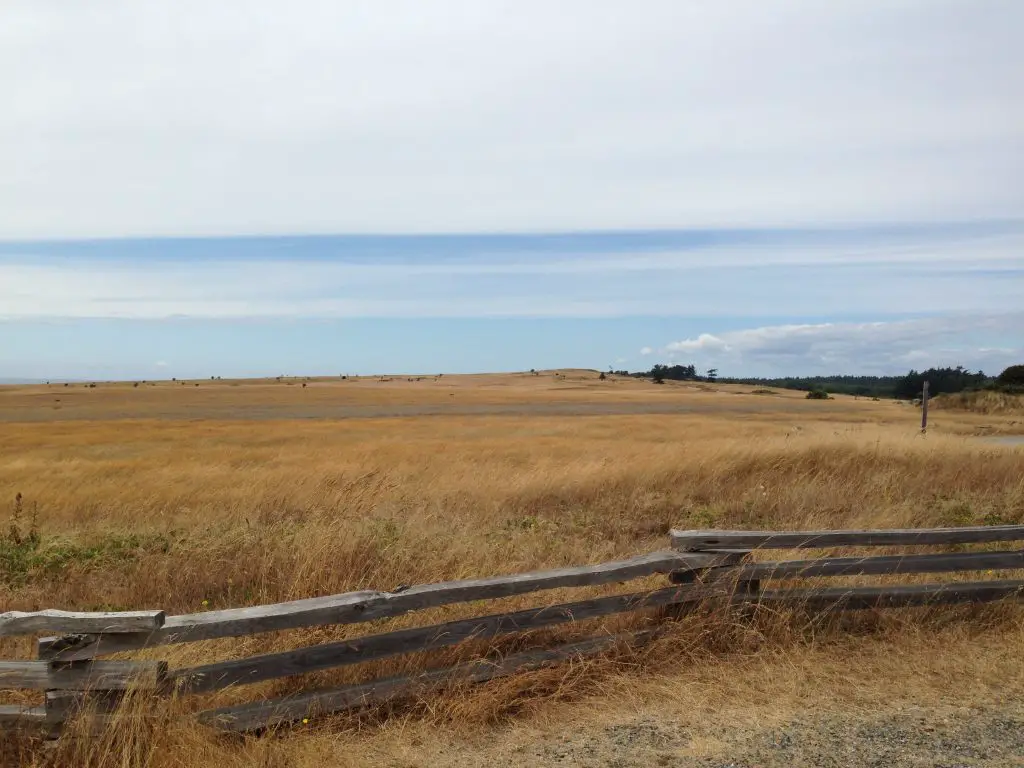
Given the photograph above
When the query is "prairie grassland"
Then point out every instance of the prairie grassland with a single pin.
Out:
(182, 513)
(545, 393)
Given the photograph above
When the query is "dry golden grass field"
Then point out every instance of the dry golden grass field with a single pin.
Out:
(175, 496)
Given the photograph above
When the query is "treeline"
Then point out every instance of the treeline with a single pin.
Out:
(940, 381)
(906, 387)
(659, 374)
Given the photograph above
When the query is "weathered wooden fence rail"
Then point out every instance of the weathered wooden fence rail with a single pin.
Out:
(362, 606)
(705, 567)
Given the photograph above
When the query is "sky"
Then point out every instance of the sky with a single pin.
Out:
(194, 189)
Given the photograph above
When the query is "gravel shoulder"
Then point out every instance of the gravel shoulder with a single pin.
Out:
(937, 737)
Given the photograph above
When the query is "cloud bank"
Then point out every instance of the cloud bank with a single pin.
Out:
(192, 117)
(986, 341)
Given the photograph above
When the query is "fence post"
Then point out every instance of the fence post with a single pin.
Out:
(924, 407)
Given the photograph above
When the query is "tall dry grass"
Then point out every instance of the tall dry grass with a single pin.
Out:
(187, 515)
(984, 402)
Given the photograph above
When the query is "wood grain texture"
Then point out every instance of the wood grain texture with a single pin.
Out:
(13, 715)
(301, 661)
(904, 596)
(263, 714)
(354, 607)
(26, 623)
(711, 540)
(62, 704)
(82, 676)
(868, 566)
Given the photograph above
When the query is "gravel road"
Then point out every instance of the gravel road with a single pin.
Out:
(933, 736)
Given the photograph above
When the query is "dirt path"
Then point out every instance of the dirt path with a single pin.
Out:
(263, 412)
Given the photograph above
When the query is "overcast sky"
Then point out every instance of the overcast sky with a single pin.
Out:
(188, 118)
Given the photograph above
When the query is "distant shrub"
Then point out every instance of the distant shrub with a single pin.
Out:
(818, 394)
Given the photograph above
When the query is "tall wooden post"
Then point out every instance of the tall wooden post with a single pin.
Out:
(924, 407)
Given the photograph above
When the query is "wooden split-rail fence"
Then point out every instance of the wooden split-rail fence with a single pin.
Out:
(703, 568)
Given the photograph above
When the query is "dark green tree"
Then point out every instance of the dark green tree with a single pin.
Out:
(671, 372)
(940, 381)
(1012, 377)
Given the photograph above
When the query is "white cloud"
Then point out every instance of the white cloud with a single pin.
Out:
(646, 351)
(160, 364)
(185, 116)
(863, 347)
(704, 342)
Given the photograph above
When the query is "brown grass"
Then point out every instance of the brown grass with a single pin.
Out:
(177, 514)
(985, 402)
